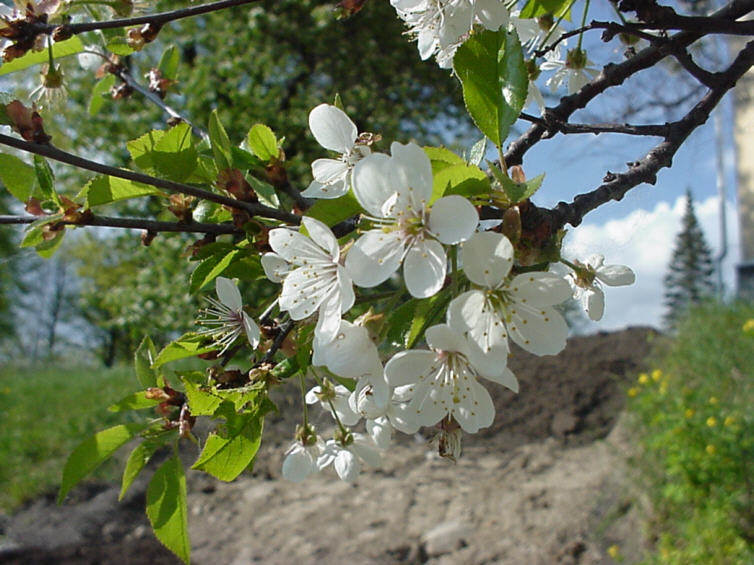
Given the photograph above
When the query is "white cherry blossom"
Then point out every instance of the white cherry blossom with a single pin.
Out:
(585, 282)
(519, 307)
(334, 130)
(443, 382)
(334, 398)
(301, 458)
(313, 279)
(396, 190)
(575, 70)
(224, 320)
(347, 456)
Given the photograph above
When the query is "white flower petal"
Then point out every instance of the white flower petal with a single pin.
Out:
(403, 420)
(408, 367)
(539, 331)
(487, 258)
(332, 128)
(372, 184)
(329, 317)
(347, 465)
(275, 267)
(335, 189)
(302, 293)
(299, 464)
(350, 354)
(228, 293)
(616, 275)
(453, 219)
(470, 312)
(345, 285)
(374, 257)
(380, 431)
(478, 414)
(295, 247)
(428, 409)
(252, 330)
(507, 379)
(444, 338)
(540, 289)
(328, 171)
(411, 169)
(364, 447)
(593, 300)
(322, 236)
(424, 268)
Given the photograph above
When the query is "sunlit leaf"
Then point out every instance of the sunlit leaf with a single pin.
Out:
(167, 509)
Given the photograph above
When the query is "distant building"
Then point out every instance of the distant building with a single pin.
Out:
(744, 139)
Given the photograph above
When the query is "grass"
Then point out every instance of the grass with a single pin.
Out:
(44, 413)
(695, 425)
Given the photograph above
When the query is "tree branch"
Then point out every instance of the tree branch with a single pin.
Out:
(154, 19)
(58, 155)
(130, 223)
(658, 130)
(615, 186)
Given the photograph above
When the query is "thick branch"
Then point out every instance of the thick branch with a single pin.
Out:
(58, 155)
(658, 130)
(154, 19)
(615, 187)
(130, 223)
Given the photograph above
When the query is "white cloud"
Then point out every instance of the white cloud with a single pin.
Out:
(644, 241)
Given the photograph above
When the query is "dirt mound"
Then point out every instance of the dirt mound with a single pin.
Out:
(530, 489)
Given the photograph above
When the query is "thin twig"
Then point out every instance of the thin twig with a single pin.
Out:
(59, 155)
(130, 223)
(659, 130)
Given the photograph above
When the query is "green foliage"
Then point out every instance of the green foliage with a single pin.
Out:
(36, 441)
(694, 421)
(262, 142)
(17, 176)
(689, 277)
(166, 507)
(491, 68)
(60, 49)
(104, 190)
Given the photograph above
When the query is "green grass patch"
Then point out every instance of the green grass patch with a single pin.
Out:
(45, 413)
(695, 424)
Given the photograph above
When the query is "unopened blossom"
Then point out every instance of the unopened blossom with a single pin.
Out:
(301, 457)
(313, 279)
(443, 382)
(334, 130)
(576, 70)
(348, 453)
(440, 26)
(585, 282)
(396, 191)
(520, 307)
(224, 320)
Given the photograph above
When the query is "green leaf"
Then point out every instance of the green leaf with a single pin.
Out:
(139, 458)
(517, 192)
(201, 402)
(266, 192)
(211, 268)
(174, 154)
(336, 210)
(135, 401)
(263, 143)
(144, 357)
(17, 176)
(60, 49)
(442, 157)
(105, 189)
(536, 8)
(463, 179)
(47, 248)
(242, 159)
(166, 507)
(45, 181)
(248, 268)
(119, 46)
(477, 152)
(5, 99)
(227, 453)
(142, 148)
(188, 345)
(399, 322)
(91, 453)
(169, 63)
(100, 93)
(221, 147)
(490, 65)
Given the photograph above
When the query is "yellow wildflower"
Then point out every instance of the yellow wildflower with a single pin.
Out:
(711, 422)
(748, 327)
(656, 375)
(689, 413)
(713, 400)
(613, 551)
(633, 391)
(643, 379)
(710, 449)
(729, 421)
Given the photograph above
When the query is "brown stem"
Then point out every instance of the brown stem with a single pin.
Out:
(130, 223)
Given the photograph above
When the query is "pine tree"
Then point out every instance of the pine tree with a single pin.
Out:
(689, 277)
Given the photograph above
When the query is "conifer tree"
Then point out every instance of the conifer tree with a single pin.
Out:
(689, 277)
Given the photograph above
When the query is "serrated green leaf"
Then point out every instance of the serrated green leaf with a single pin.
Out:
(537, 8)
(100, 94)
(142, 149)
(477, 152)
(211, 268)
(399, 322)
(47, 248)
(92, 452)
(33, 235)
(60, 49)
(167, 509)
(138, 459)
(119, 46)
(266, 192)
(201, 402)
(263, 143)
(221, 147)
(243, 159)
(144, 357)
(17, 176)
(442, 156)
(169, 63)
(105, 189)
(227, 453)
(490, 65)
(188, 345)
(518, 192)
(174, 154)
(463, 179)
(336, 210)
(247, 268)
(135, 401)
(45, 181)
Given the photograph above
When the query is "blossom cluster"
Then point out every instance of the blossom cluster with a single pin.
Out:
(492, 301)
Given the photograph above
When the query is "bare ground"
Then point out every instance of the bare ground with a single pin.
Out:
(548, 483)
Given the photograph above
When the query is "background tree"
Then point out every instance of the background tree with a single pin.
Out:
(689, 277)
